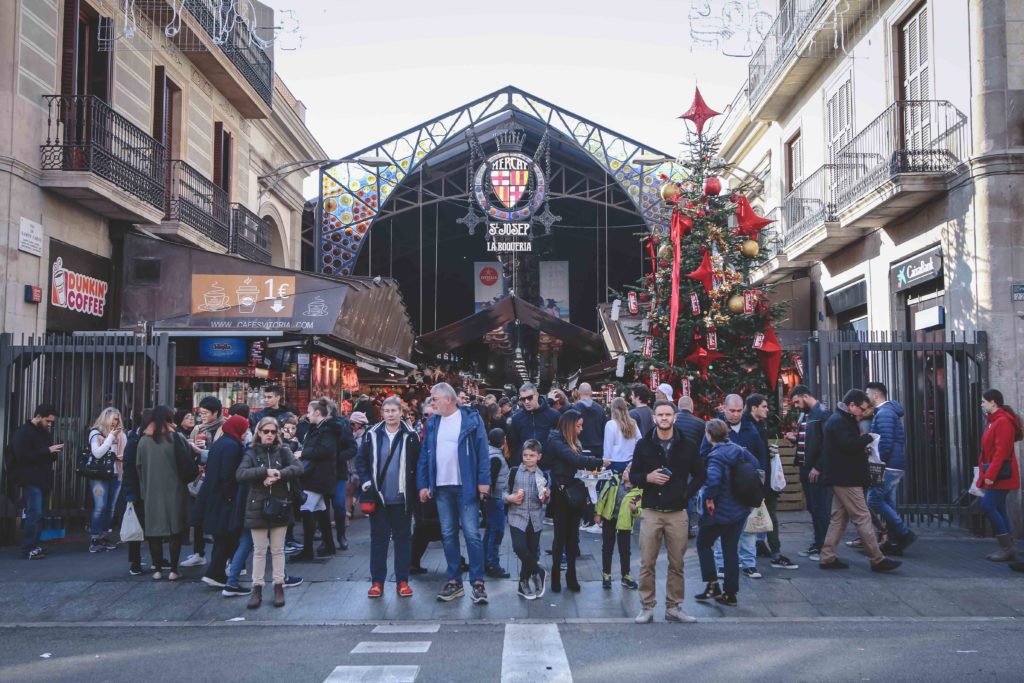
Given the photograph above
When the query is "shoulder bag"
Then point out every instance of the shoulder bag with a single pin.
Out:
(275, 510)
(184, 462)
(91, 467)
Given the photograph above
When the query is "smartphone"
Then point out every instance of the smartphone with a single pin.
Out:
(666, 471)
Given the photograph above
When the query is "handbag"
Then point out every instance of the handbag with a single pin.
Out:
(91, 467)
(576, 494)
(759, 521)
(184, 463)
(275, 510)
(1004, 473)
(131, 529)
(876, 474)
(778, 475)
(975, 490)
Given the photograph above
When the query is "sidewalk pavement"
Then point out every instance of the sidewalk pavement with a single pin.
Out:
(944, 574)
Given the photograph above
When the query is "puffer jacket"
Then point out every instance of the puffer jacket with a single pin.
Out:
(997, 449)
(610, 508)
(718, 486)
(320, 457)
(253, 470)
(888, 424)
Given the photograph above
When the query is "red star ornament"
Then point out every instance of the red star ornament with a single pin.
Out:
(702, 358)
(705, 273)
(770, 355)
(749, 223)
(699, 112)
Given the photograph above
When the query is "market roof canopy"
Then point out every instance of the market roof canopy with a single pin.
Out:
(506, 310)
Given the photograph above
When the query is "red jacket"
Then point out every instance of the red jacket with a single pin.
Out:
(997, 446)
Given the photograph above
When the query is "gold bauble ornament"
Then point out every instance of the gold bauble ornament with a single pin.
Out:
(665, 251)
(735, 304)
(750, 248)
(670, 192)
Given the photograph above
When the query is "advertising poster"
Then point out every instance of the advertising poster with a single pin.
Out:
(488, 283)
(79, 291)
(554, 288)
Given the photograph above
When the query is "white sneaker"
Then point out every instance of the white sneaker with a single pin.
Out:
(679, 616)
(194, 560)
(646, 616)
(593, 529)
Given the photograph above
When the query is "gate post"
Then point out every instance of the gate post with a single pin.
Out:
(165, 370)
(8, 509)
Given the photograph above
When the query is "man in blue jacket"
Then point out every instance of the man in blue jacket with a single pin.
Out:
(742, 432)
(454, 469)
(888, 424)
(535, 420)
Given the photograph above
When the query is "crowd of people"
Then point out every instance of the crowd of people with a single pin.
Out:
(456, 464)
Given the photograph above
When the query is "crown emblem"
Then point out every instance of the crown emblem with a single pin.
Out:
(510, 139)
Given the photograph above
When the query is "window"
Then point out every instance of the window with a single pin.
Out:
(794, 162)
(85, 69)
(915, 78)
(222, 144)
(839, 119)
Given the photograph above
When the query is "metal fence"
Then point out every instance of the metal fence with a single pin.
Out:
(80, 374)
(84, 134)
(938, 378)
(196, 201)
(252, 62)
(249, 237)
(792, 21)
(809, 204)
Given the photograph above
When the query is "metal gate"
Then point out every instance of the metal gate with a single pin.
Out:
(80, 374)
(938, 378)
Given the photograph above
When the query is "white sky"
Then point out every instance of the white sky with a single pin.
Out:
(368, 70)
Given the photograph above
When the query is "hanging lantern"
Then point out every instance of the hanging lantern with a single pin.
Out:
(750, 248)
(665, 251)
(735, 304)
(670, 192)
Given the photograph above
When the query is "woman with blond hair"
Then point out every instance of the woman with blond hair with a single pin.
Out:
(106, 443)
(620, 436)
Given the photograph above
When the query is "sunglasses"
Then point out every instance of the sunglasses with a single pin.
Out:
(268, 431)
(531, 397)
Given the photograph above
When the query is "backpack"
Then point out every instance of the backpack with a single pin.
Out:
(747, 487)
(503, 475)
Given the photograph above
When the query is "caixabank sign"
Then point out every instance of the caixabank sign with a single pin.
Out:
(79, 291)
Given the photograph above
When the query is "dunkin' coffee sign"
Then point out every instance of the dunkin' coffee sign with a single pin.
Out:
(79, 291)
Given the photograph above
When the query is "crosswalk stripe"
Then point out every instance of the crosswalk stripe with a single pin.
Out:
(406, 628)
(391, 647)
(373, 674)
(533, 653)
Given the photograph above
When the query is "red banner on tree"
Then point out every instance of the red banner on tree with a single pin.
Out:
(634, 307)
(712, 339)
(758, 340)
(694, 303)
(649, 346)
(655, 377)
(609, 393)
(685, 384)
(800, 366)
(750, 300)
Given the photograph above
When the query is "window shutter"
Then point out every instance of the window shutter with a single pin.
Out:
(916, 53)
(798, 160)
(160, 105)
(69, 49)
(839, 120)
(218, 148)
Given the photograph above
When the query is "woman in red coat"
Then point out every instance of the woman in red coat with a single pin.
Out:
(998, 471)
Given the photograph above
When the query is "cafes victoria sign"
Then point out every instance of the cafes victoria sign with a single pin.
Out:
(510, 187)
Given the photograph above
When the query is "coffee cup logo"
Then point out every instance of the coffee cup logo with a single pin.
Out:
(248, 295)
(317, 308)
(215, 299)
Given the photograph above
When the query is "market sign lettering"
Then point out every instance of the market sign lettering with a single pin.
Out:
(77, 292)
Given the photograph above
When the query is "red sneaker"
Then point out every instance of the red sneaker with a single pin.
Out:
(404, 590)
(376, 590)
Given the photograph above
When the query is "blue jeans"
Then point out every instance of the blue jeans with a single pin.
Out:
(882, 501)
(104, 496)
(240, 558)
(390, 522)
(494, 509)
(748, 550)
(340, 511)
(33, 516)
(819, 505)
(455, 513)
(717, 535)
(993, 504)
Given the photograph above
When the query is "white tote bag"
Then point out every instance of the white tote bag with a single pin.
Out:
(131, 530)
(974, 490)
(778, 476)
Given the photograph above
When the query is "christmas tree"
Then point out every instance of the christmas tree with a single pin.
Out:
(705, 328)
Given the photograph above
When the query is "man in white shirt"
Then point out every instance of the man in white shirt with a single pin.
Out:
(454, 469)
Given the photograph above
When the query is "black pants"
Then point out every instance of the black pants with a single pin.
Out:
(526, 545)
(609, 536)
(224, 546)
(198, 541)
(156, 550)
(310, 521)
(135, 547)
(730, 535)
(567, 534)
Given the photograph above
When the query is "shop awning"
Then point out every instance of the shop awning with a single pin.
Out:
(506, 310)
(174, 287)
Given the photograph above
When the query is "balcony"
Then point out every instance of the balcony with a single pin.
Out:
(101, 160)
(198, 212)
(249, 238)
(804, 35)
(236, 67)
(811, 226)
(777, 266)
(898, 162)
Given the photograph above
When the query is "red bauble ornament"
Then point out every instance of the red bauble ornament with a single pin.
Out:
(663, 263)
(699, 112)
(655, 240)
(644, 297)
(705, 273)
(700, 213)
(712, 186)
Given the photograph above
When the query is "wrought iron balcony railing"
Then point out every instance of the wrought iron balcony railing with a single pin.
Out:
(810, 203)
(913, 136)
(84, 134)
(199, 203)
(249, 235)
(794, 18)
(252, 62)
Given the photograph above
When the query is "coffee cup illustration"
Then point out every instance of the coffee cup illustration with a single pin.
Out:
(316, 308)
(248, 295)
(215, 299)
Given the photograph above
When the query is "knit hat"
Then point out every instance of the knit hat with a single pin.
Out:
(358, 417)
(235, 426)
(666, 389)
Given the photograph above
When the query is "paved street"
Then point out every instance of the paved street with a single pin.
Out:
(947, 607)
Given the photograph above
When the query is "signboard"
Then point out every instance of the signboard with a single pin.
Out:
(223, 350)
(79, 289)
(1018, 292)
(922, 268)
(244, 295)
(554, 288)
(488, 283)
(508, 237)
(509, 186)
(30, 237)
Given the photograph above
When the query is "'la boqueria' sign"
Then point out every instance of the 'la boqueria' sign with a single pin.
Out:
(510, 187)
(924, 267)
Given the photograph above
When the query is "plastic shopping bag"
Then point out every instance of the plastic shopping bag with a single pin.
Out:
(778, 476)
(759, 521)
(131, 530)
(974, 490)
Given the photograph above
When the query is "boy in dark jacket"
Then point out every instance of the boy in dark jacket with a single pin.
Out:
(888, 424)
(668, 467)
(846, 471)
(34, 454)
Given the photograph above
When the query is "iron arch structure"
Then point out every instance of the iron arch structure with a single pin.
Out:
(355, 193)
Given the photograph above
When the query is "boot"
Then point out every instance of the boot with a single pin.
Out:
(556, 578)
(570, 578)
(256, 599)
(278, 595)
(1005, 552)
